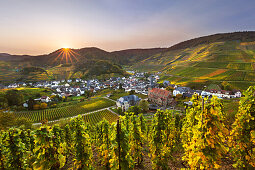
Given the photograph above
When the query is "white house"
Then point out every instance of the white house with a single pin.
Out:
(45, 99)
(181, 90)
(25, 105)
(238, 94)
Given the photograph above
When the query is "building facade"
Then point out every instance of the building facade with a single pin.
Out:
(126, 101)
(160, 97)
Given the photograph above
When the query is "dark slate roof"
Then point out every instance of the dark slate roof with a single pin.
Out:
(184, 89)
(128, 98)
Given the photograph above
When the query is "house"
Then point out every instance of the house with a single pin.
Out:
(166, 83)
(153, 107)
(127, 101)
(181, 90)
(45, 99)
(160, 97)
(237, 93)
(222, 93)
(25, 105)
(108, 95)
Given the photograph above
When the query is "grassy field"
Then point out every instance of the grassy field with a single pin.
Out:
(68, 111)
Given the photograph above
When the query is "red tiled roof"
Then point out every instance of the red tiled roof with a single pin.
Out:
(160, 91)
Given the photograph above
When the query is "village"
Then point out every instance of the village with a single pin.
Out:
(159, 95)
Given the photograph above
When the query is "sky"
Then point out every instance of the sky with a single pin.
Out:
(42, 26)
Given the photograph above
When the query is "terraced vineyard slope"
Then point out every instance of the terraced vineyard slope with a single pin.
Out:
(225, 63)
(68, 111)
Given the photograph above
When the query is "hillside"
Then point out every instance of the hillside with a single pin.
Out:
(224, 59)
(218, 59)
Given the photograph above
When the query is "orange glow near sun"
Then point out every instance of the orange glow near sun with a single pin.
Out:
(66, 55)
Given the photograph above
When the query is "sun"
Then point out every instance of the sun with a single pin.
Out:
(66, 55)
(65, 47)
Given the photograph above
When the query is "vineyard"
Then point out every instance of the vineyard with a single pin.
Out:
(68, 111)
(96, 117)
(92, 118)
(200, 139)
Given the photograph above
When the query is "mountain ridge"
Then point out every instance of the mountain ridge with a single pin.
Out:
(213, 58)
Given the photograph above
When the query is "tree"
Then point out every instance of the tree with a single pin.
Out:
(135, 109)
(161, 85)
(43, 105)
(30, 103)
(120, 86)
(169, 88)
(6, 120)
(14, 97)
(26, 123)
(3, 102)
(119, 111)
(36, 107)
(132, 92)
(144, 105)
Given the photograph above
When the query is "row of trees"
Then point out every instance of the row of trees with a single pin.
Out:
(11, 98)
(202, 136)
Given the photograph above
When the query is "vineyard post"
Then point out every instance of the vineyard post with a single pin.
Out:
(202, 110)
(118, 139)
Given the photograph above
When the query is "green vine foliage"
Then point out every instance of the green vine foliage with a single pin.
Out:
(190, 120)
(242, 137)
(104, 143)
(82, 146)
(136, 140)
(28, 139)
(68, 138)
(161, 141)
(143, 126)
(200, 133)
(46, 151)
(206, 145)
(120, 144)
(59, 146)
(16, 151)
(3, 149)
